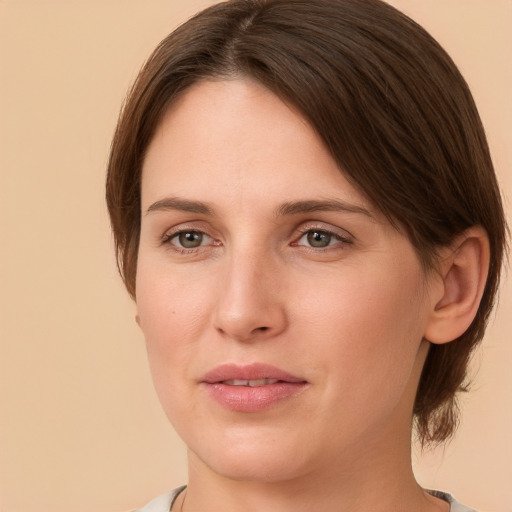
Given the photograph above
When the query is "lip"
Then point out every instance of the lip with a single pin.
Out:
(246, 398)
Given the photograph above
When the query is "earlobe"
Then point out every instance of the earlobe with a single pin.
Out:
(463, 270)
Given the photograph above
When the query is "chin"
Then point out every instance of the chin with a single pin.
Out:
(251, 467)
(264, 459)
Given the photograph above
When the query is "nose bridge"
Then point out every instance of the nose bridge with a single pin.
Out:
(249, 305)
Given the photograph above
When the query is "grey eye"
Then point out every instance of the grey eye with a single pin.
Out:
(319, 239)
(190, 239)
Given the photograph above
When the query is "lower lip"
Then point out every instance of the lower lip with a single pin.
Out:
(253, 399)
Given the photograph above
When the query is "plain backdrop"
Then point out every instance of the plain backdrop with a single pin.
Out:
(80, 426)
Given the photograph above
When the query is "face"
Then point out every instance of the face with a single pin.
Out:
(283, 315)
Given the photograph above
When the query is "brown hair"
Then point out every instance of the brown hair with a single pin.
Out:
(390, 105)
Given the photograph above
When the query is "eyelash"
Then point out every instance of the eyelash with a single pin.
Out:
(343, 240)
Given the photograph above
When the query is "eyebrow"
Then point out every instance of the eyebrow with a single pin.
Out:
(289, 208)
(184, 205)
(329, 205)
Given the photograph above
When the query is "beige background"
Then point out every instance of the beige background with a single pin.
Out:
(80, 427)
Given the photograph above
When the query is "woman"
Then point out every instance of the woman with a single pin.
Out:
(306, 214)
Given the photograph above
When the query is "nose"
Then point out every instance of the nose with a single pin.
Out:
(250, 302)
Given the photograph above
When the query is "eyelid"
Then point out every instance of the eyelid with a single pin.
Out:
(343, 234)
(192, 225)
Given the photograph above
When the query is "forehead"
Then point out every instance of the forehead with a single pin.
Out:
(225, 138)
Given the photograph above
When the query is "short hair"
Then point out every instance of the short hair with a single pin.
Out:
(391, 107)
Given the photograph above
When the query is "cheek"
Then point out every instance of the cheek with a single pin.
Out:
(371, 324)
(171, 301)
(173, 311)
(363, 303)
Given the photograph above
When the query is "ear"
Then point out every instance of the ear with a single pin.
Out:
(463, 271)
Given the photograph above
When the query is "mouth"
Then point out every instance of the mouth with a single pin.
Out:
(251, 388)
(251, 383)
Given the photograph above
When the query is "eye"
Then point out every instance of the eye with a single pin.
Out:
(188, 239)
(320, 239)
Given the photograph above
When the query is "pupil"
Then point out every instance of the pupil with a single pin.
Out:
(190, 239)
(319, 239)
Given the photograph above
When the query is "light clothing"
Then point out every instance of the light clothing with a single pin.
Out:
(164, 503)
(455, 506)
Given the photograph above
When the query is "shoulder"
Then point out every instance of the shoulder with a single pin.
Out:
(455, 506)
(163, 503)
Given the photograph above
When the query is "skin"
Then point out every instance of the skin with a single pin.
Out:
(349, 317)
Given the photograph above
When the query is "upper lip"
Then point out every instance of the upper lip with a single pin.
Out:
(254, 371)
